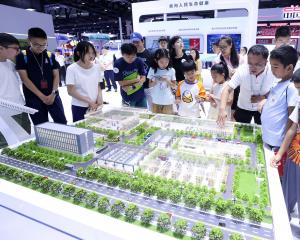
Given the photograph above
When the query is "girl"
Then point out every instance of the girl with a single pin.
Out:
(82, 81)
(178, 56)
(196, 58)
(162, 80)
(291, 143)
(220, 74)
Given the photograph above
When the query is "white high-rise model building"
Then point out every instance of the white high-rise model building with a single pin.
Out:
(63, 137)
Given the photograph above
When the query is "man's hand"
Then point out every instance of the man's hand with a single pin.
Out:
(261, 105)
(49, 100)
(257, 98)
(275, 160)
(93, 106)
(222, 118)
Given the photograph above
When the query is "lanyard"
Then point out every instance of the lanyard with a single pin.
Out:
(41, 66)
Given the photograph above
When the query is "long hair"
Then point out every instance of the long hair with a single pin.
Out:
(234, 58)
(172, 41)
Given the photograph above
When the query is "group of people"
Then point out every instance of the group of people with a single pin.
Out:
(252, 84)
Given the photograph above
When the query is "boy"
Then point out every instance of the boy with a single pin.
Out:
(291, 178)
(189, 92)
(281, 100)
(129, 71)
(282, 36)
(39, 72)
(10, 84)
(163, 42)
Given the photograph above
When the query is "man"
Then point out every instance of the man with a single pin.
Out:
(38, 70)
(255, 80)
(62, 68)
(282, 36)
(138, 40)
(106, 62)
(10, 82)
(163, 42)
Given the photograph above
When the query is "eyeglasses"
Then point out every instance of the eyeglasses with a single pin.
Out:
(223, 47)
(36, 45)
(16, 48)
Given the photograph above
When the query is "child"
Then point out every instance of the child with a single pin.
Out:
(280, 101)
(10, 82)
(190, 92)
(162, 80)
(291, 178)
(129, 71)
(220, 74)
(39, 72)
(82, 81)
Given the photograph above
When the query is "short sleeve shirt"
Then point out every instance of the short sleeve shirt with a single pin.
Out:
(30, 63)
(275, 112)
(124, 71)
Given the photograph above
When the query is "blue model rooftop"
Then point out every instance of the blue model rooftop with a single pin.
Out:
(62, 128)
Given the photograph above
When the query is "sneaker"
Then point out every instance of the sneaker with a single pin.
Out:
(108, 90)
(116, 90)
(105, 102)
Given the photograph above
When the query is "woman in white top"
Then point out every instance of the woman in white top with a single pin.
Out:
(82, 81)
(220, 74)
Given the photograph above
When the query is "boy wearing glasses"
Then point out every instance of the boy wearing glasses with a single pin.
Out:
(10, 82)
(39, 72)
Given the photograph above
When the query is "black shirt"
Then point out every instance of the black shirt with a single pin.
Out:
(176, 63)
(146, 58)
(29, 63)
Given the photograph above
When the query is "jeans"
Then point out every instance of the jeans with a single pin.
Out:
(78, 112)
(109, 78)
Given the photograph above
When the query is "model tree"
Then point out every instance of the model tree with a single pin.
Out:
(162, 193)
(221, 206)
(255, 215)
(150, 189)
(190, 200)
(46, 185)
(131, 212)
(91, 199)
(79, 195)
(216, 234)
(180, 227)
(163, 222)
(68, 190)
(236, 236)
(117, 208)
(198, 231)
(103, 205)
(238, 211)
(175, 196)
(205, 203)
(147, 216)
(56, 188)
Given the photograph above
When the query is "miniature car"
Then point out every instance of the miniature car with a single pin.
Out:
(222, 224)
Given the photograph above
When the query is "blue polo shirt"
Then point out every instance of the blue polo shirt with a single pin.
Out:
(124, 71)
(274, 115)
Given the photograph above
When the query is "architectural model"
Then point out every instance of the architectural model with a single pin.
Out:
(66, 138)
(188, 168)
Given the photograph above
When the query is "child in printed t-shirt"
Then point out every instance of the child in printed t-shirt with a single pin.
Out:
(190, 92)
(291, 142)
(220, 74)
(129, 71)
(162, 80)
(280, 101)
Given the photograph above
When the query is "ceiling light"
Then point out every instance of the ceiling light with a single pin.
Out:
(30, 9)
(83, 3)
(105, 10)
(107, 26)
(99, 18)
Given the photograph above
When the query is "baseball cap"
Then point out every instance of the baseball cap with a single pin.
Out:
(135, 37)
(163, 38)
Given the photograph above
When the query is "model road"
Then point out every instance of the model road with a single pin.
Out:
(177, 211)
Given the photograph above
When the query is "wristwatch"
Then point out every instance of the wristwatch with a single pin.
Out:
(55, 92)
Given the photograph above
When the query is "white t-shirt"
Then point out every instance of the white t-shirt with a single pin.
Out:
(188, 106)
(10, 83)
(107, 59)
(85, 81)
(161, 93)
(274, 115)
(213, 112)
(251, 85)
(295, 115)
(60, 59)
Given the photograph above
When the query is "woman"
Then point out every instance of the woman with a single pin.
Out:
(231, 58)
(82, 81)
(243, 55)
(196, 58)
(178, 56)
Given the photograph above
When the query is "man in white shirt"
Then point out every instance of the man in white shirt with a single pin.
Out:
(255, 80)
(106, 62)
(62, 70)
(10, 81)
